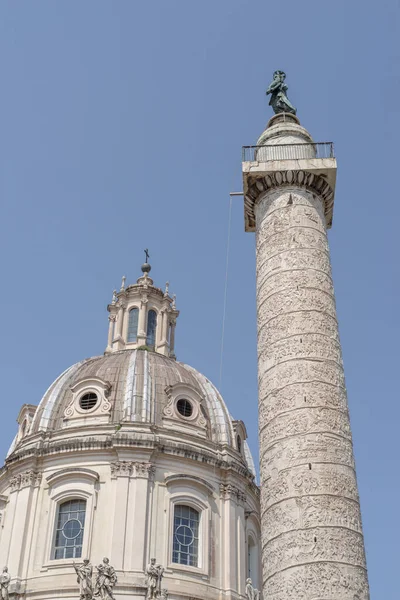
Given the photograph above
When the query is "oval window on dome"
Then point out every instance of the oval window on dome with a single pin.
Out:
(184, 407)
(88, 401)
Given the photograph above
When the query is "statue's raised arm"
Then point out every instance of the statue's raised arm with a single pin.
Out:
(279, 100)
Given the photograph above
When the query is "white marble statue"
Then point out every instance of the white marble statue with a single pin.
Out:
(251, 592)
(154, 574)
(105, 580)
(4, 583)
(84, 573)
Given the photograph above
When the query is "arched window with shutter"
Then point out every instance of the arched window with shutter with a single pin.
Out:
(133, 325)
(151, 328)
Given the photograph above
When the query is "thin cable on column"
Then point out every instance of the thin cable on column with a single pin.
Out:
(226, 290)
(226, 283)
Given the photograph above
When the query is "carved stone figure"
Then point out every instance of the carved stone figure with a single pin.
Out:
(4, 583)
(105, 580)
(251, 592)
(84, 573)
(155, 573)
(114, 297)
(279, 100)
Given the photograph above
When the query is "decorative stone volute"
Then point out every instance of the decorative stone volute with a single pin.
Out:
(142, 315)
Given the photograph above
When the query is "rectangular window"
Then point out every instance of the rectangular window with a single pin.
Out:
(185, 550)
(70, 524)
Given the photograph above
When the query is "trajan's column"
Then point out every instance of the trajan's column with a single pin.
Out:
(312, 540)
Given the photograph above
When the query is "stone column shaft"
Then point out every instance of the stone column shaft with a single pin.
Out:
(312, 542)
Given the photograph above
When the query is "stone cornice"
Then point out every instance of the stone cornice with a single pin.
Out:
(217, 458)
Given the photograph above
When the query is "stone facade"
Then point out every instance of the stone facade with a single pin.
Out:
(109, 435)
(312, 541)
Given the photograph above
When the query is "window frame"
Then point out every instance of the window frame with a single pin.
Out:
(193, 501)
(198, 513)
(68, 484)
(129, 310)
(55, 530)
(156, 312)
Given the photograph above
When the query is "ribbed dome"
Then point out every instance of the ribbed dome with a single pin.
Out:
(138, 382)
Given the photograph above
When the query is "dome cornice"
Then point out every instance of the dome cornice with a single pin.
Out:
(207, 453)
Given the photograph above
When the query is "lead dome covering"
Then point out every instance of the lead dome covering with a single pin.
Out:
(138, 382)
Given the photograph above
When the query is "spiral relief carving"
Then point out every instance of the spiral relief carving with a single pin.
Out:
(312, 543)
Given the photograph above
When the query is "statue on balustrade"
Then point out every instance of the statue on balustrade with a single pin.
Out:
(279, 100)
(105, 580)
(4, 583)
(84, 573)
(154, 574)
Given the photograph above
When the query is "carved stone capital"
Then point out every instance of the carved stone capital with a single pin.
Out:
(228, 491)
(145, 470)
(132, 469)
(29, 478)
(121, 468)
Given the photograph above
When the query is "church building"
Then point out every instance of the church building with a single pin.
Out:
(130, 475)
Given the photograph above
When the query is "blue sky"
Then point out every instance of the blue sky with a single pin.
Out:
(121, 128)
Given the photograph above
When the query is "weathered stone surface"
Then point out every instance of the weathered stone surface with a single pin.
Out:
(312, 542)
(320, 581)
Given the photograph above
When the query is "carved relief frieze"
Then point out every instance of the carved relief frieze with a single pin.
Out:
(292, 484)
(300, 395)
(306, 420)
(287, 280)
(288, 324)
(329, 544)
(321, 580)
(311, 511)
(293, 258)
(299, 300)
(299, 370)
(305, 345)
(301, 450)
(277, 216)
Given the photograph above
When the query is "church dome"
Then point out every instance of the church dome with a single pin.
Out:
(132, 389)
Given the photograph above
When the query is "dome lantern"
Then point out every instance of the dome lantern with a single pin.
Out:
(142, 315)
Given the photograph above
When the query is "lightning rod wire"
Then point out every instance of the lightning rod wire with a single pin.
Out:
(225, 291)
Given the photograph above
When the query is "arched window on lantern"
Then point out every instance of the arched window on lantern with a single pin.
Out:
(151, 328)
(133, 325)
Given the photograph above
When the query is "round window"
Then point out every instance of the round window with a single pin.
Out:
(88, 401)
(71, 529)
(184, 535)
(184, 407)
